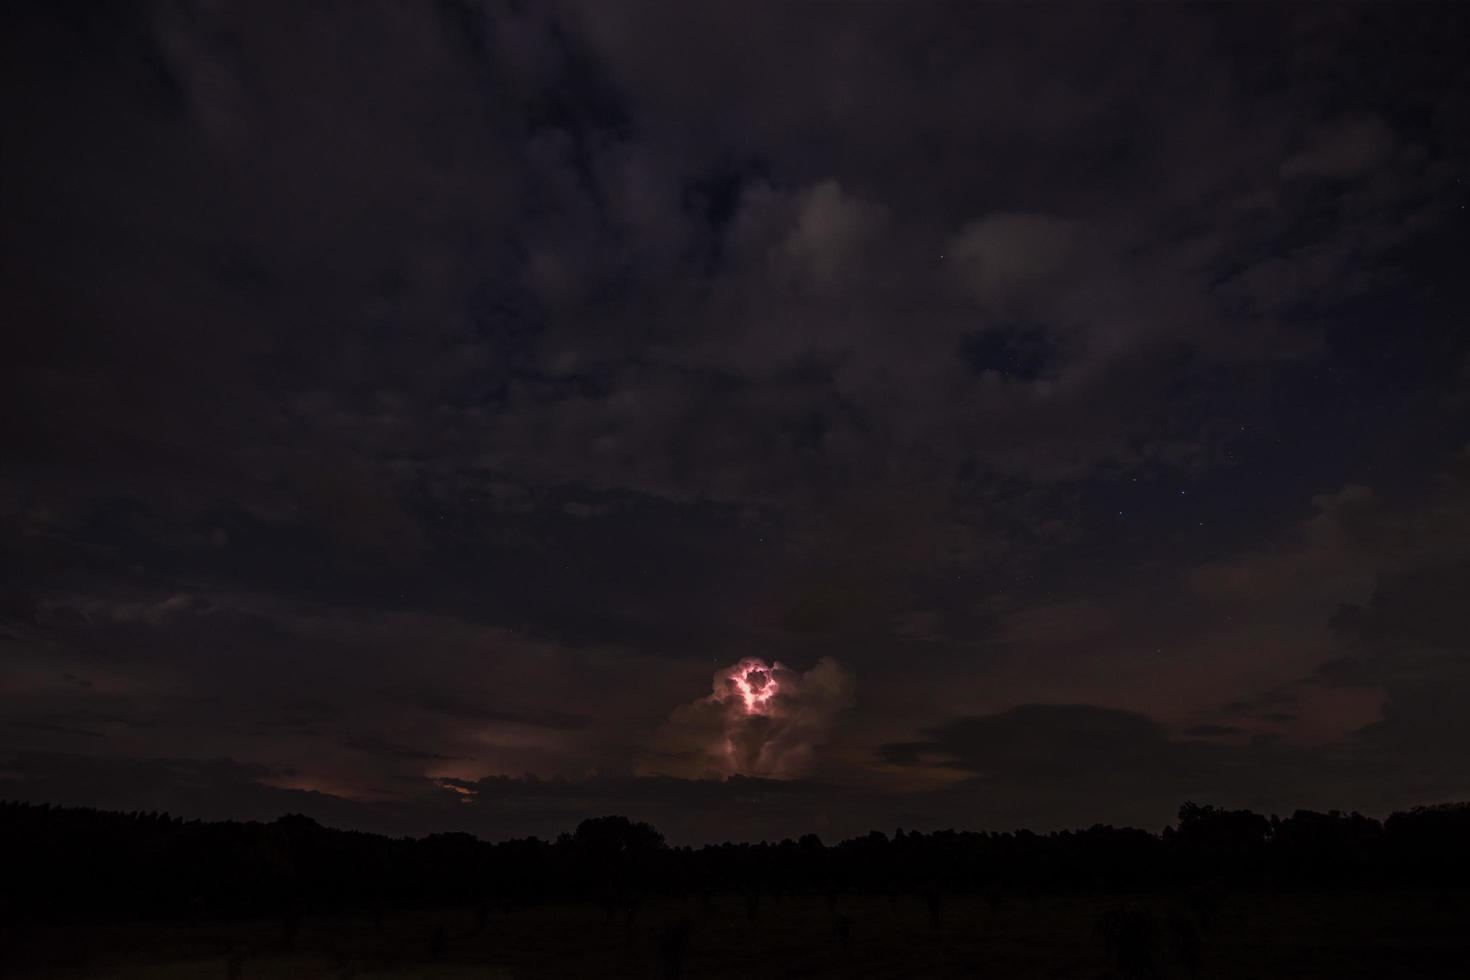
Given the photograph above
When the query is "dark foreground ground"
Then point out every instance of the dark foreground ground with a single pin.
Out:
(1340, 935)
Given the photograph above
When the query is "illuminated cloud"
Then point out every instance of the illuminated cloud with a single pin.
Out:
(759, 720)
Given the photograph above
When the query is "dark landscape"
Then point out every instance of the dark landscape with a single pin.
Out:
(1220, 893)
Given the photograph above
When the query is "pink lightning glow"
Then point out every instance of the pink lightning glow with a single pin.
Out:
(761, 718)
(755, 681)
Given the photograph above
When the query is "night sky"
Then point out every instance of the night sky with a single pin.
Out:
(413, 412)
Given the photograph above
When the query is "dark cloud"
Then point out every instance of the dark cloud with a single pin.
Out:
(1409, 641)
(1213, 731)
(203, 788)
(444, 392)
(379, 746)
(477, 712)
(495, 807)
(1068, 765)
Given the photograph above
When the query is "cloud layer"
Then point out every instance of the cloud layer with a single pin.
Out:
(403, 412)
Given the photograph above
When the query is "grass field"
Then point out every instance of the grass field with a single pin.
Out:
(1338, 936)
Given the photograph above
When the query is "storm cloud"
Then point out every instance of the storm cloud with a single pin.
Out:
(406, 413)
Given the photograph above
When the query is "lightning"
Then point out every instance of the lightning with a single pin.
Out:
(756, 684)
(761, 718)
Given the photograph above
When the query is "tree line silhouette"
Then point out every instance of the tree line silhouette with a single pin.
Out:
(77, 864)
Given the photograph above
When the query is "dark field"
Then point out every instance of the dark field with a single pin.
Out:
(1409, 935)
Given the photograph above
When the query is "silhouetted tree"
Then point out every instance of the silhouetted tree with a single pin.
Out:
(148, 865)
(1213, 839)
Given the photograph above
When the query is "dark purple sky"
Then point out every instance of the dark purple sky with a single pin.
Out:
(410, 407)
